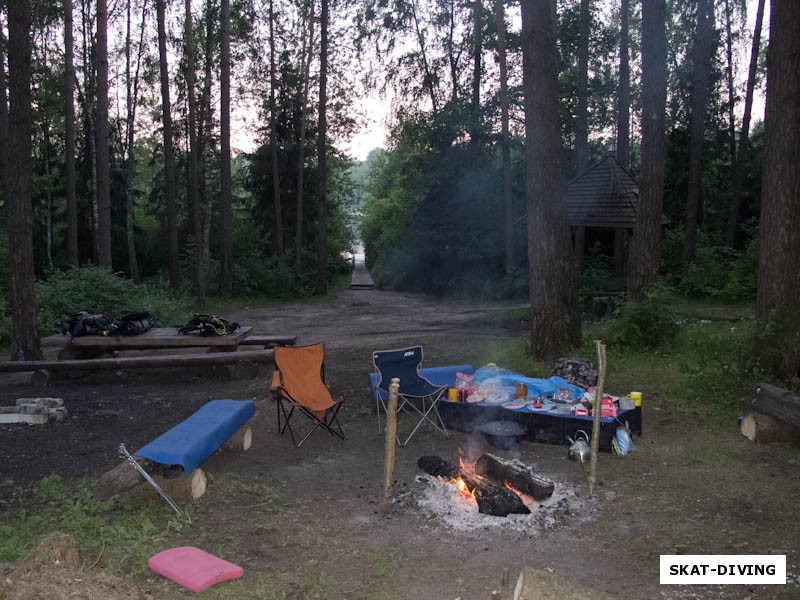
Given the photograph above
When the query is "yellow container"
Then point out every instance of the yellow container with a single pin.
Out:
(636, 397)
(452, 395)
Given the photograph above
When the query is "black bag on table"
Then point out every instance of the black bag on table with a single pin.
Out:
(86, 323)
(134, 323)
(207, 325)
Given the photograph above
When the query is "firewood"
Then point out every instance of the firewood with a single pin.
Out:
(240, 441)
(493, 498)
(177, 488)
(120, 478)
(518, 475)
(761, 428)
(778, 403)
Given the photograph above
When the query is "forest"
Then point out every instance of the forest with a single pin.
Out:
(120, 122)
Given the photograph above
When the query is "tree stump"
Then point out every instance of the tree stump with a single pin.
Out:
(761, 428)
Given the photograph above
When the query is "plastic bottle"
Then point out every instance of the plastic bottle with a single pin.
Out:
(20, 355)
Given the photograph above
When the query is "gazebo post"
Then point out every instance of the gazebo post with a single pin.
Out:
(579, 246)
(620, 235)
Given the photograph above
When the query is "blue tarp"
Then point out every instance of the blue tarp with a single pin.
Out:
(191, 442)
(536, 387)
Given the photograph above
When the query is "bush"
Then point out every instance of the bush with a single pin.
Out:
(100, 290)
(649, 323)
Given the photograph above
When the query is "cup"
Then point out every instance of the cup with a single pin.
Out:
(522, 391)
(452, 395)
(636, 397)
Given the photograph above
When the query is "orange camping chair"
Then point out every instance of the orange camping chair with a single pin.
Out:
(298, 386)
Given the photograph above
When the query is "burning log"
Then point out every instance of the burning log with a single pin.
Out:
(493, 499)
(516, 474)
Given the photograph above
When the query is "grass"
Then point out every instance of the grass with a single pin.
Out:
(119, 533)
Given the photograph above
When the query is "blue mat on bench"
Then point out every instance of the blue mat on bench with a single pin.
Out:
(191, 442)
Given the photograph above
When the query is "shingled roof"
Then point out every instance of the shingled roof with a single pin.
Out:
(605, 196)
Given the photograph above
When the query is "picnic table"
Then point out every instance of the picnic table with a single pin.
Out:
(159, 338)
(94, 352)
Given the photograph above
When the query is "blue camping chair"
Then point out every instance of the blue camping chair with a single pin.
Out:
(417, 395)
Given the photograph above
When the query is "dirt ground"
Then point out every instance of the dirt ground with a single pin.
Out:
(309, 522)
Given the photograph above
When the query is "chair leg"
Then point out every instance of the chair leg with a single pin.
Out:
(425, 415)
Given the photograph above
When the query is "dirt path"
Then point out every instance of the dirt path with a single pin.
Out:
(309, 522)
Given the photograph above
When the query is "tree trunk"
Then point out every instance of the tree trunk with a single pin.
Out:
(555, 321)
(19, 213)
(278, 239)
(4, 140)
(646, 243)
(226, 193)
(428, 75)
(322, 161)
(205, 135)
(102, 139)
(778, 300)
(624, 91)
(170, 186)
(582, 116)
(477, 51)
(743, 154)
(132, 96)
(731, 86)
(194, 159)
(70, 177)
(508, 201)
(308, 49)
(703, 49)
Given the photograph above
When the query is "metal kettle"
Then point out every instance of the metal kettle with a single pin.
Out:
(579, 450)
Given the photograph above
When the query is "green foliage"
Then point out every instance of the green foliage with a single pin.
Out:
(118, 531)
(649, 323)
(433, 222)
(717, 273)
(707, 368)
(100, 290)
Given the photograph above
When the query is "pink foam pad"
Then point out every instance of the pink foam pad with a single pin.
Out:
(193, 568)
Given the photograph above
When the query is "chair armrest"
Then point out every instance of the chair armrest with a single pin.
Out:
(276, 380)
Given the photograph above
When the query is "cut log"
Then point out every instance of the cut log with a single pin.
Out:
(516, 474)
(125, 477)
(762, 428)
(777, 402)
(240, 441)
(492, 498)
(539, 584)
(177, 488)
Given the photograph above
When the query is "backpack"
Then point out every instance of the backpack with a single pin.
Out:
(133, 323)
(85, 323)
(208, 325)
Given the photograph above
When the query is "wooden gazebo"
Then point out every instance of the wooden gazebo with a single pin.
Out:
(604, 199)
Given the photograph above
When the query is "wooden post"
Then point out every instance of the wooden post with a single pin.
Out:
(391, 437)
(598, 411)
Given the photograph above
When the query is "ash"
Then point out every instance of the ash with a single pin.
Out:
(439, 499)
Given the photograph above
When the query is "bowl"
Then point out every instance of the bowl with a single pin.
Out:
(503, 435)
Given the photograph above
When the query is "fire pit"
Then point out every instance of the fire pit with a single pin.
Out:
(495, 492)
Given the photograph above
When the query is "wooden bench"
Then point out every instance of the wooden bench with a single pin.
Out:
(269, 341)
(217, 424)
(43, 368)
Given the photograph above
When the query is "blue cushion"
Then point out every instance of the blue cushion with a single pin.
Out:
(191, 442)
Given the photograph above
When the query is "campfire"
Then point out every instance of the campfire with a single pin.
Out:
(493, 493)
(498, 486)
